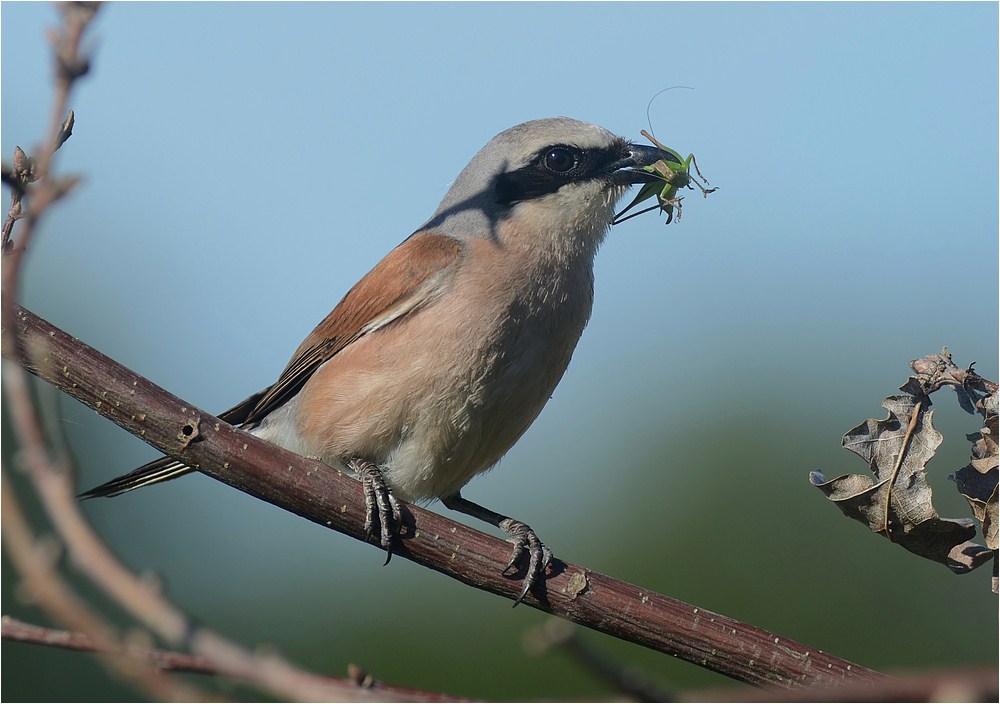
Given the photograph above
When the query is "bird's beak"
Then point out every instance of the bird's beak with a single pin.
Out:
(629, 170)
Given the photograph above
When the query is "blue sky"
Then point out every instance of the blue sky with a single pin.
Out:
(244, 164)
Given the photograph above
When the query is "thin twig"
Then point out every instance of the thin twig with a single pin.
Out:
(628, 680)
(14, 630)
(43, 579)
(70, 65)
(36, 566)
(52, 478)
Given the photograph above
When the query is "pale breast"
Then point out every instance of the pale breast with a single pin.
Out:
(441, 394)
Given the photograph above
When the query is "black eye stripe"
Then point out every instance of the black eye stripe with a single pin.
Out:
(554, 167)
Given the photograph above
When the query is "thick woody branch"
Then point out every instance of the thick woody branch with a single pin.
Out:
(327, 497)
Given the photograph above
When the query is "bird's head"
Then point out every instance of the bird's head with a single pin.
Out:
(557, 179)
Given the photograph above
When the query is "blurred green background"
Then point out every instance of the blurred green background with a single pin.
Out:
(245, 164)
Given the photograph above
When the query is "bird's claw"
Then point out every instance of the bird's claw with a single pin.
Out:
(539, 556)
(383, 512)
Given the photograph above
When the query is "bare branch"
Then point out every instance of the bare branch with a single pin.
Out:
(965, 685)
(973, 685)
(556, 634)
(31, 555)
(325, 496)
(51, 477)
(18, 631)
(36, 565)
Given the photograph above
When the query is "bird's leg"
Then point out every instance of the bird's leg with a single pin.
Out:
(379, 503)
(521, 535)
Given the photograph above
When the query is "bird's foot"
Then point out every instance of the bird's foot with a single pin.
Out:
(383, 511)
(526, 541)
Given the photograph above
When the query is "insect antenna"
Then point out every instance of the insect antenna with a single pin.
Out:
(649, 120)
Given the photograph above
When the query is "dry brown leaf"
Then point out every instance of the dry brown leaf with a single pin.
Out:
(896, 500)
(977, 481)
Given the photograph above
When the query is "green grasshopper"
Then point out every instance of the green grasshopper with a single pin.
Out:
(672, 173)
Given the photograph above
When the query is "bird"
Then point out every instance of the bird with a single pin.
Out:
(437, 361)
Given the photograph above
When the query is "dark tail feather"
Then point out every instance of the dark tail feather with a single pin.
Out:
(155, 472)
(165, 468)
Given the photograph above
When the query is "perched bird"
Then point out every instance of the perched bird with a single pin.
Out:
(437, 361)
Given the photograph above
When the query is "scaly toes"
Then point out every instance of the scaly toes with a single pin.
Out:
(539, 556)
(381, 506)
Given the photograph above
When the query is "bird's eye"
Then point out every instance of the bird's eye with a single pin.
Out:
(560, 160)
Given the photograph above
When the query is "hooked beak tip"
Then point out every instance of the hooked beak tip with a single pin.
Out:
(631, 168)
(641, 155)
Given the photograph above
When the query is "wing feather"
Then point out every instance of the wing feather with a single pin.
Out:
(405, 279)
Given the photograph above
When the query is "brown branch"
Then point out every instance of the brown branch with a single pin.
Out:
(34, 556)
(33, 181)
(268, 672)
(327, 497)
(958, 685)
(20, 632)
(35, 564)
(13, 630)
(966, 685)
(70, 65)
(556, 634)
